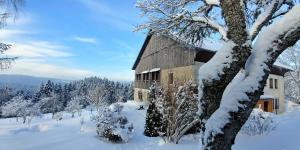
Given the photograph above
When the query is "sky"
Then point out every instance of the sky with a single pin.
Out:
(73, 39)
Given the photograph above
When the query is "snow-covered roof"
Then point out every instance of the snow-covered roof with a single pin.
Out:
(154, 69)
(279, 64)
(266, 97)
(146, 71)
(151, 70)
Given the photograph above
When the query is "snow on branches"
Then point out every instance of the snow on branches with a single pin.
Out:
(177, 18)
(74, 106)
(112, 124)
(17, 107)
(243, 90)
(172, 113)
(154, 124)
(257, 31)
(291, 59)
(259, 123)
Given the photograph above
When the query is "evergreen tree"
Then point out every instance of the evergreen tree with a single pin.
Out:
(130, 91)
(48, 88)
(154, 118)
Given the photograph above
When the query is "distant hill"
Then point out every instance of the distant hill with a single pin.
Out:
(24, 81)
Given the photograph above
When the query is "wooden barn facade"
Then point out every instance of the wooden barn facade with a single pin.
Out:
(168, 61)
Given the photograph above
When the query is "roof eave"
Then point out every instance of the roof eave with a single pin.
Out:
(149, 35)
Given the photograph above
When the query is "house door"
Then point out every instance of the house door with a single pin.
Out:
(140, 95)
(266, 106)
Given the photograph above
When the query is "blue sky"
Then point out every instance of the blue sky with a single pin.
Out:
(72, 39)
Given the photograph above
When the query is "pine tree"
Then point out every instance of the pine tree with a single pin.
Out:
(154, 118)
(48, 88)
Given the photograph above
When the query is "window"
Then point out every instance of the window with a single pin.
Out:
(147, 76)
(144, 77)
(271, 83)
(138, 77)
(276, 83)
(155, 76)
(158, 76)
(276, 103)
(171, 78)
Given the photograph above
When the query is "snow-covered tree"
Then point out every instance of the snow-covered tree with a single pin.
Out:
(291, 59)
(253, 34)
(259, 123)
(120, 92)
(179, 109)
(130, 91)
(5, 95)
(8, 8)
(154, 116)
(185, 113)
(113, 125)
(74, 106)
(17, 107)
(51, 104)
(35, 111)
(97, 96)
(172, 113)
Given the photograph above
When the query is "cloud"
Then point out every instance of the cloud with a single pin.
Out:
(22, 43)
(43, 69)
(42, 56)
(10, 34)
(38, 57)
(36, 49)
(85, 39)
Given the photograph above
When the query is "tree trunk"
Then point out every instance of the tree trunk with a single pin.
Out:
(237, 119)
(213, 90)
(24, 119)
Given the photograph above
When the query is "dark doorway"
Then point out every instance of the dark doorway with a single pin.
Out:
(266, 104)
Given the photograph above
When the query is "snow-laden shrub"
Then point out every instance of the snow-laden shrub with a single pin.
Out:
(74, 106)
(58, 116)
(112, 125)
(172, 113)
(258, 123)
(17, 107)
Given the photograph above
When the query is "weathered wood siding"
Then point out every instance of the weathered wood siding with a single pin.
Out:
(163, 52)
(180, 75)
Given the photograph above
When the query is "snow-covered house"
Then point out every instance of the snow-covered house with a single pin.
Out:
(167, 61)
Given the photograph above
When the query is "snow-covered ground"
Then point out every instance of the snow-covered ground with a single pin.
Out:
(48, 134)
